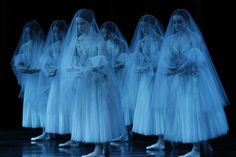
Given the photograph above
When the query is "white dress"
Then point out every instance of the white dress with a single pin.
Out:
(97, 114)
(31, 117)
(147, 121)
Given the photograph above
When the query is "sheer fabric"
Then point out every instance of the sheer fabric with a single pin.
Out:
(94, 93)
(147, 48)
(188, 86)
(25, 64)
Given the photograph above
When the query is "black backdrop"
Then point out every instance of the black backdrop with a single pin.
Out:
(214, 20)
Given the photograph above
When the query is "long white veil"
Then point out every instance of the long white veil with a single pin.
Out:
(146, 42)
(111, 32)
(117, 48)
(26, 56)
(185, 53)
(69, 59)
(50, 56)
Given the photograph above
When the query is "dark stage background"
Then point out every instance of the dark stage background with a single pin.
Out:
(214, 20)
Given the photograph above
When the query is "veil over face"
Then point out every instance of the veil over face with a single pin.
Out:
(28, 50)
(57, 32)
(146, 43)
(82, 30)
(148, 26)
(52, 48)
(116, 44)
(147, 40)
(110, 31)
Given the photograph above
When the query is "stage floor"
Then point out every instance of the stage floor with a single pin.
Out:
(17, 143)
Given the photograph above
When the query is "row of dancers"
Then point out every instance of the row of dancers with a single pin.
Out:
(88, 82)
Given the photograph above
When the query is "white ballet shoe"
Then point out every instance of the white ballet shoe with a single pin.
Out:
(96, 153)
(44, 136)
(69, 143)
(193, 153)
(37, 143)
(123, 138)
(156, 146)
(65, 150)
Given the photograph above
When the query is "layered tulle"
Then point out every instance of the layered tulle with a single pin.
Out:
(97, 116)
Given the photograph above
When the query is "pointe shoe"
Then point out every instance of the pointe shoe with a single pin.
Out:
(156, 146)
(69, 144)
(33, 142)
(123, 138)
(95, 154)
(44, 136)
(37, 143)
(191, 154)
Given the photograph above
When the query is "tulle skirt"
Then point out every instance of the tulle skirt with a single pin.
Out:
(129, 94)
(146, 120)
(97, 116)
(192, 113)
(58, 117)
(33, 114)
(128, 110)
